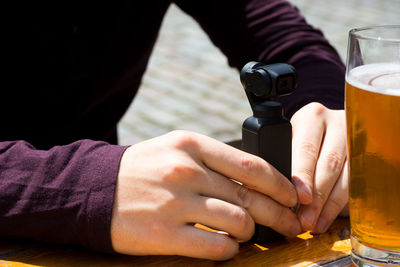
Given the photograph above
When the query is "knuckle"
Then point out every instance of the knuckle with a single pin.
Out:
(242, 220)
(184, 140)
(317, 109)
(312, 109)
(246, 162)
(250, 165)
(334, 162)
(243, 195)
(178, 171)
(310, 150)
(221, 247)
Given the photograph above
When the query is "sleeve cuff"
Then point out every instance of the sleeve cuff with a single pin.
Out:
(101, 198)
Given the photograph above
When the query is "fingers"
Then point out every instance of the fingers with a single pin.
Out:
(328, 170)
(335, 204)
(308, 131)
(199, 243)
(223, 163)
(251, 170)
(222, 215)
(193, 242)
(165, 185)
(260, 207)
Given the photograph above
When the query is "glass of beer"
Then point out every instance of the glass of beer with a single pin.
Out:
(373, 143)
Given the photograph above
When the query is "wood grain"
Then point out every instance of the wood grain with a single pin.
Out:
(304, 250)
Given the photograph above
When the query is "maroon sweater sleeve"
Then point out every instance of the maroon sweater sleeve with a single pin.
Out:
(273, 31)
(61, 195)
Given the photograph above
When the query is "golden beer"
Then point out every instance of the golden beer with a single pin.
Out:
(373, 137)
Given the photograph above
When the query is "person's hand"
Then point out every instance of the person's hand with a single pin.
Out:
(167, 184)
(319, 165)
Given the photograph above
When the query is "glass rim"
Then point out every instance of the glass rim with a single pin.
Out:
(358, 33)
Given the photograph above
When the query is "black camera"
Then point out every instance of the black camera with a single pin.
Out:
(268, 134)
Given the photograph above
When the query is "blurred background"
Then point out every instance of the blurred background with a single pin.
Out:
(189, 85)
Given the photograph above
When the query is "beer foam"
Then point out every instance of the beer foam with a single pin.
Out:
(383, 78)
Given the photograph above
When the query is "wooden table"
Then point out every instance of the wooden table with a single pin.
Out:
(329, 249)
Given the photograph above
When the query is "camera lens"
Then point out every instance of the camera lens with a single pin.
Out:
(258, 82)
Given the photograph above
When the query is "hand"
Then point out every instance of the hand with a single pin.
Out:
(167, 184)
(319, 165)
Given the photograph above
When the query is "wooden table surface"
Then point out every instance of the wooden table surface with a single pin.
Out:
(329, 249)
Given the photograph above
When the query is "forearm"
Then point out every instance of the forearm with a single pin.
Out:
(273, 31)
(279, 33)
(63, 195)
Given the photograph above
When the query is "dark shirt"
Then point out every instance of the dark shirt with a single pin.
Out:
(71, 70)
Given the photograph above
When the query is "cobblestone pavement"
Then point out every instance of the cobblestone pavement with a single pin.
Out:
(188, 84)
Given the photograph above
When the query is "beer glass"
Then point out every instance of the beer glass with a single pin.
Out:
(373, 143)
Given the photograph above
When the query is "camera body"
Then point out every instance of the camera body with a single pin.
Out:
(268, 134)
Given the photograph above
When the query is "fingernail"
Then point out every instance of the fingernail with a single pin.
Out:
(322, 226)
(296, 229)
(304, 191)
(307, 219)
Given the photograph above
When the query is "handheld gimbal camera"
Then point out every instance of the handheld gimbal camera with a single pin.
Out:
(268, 134)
